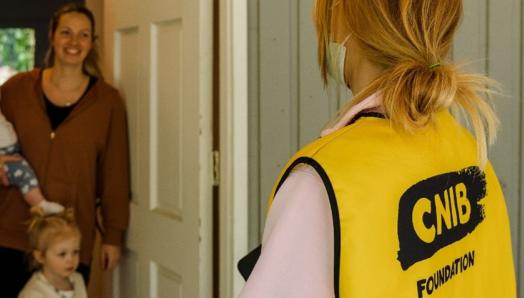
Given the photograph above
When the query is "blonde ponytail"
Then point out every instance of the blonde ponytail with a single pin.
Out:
(413, 93)
(410, 40)
(37, 216)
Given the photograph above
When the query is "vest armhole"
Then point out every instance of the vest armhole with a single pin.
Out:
(334, 211)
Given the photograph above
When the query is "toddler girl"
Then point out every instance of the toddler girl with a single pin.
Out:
(55, 240)
(19, 172)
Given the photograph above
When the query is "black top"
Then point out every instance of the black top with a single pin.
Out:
(57, 114)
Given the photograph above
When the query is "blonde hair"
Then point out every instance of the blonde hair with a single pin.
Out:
(44, 229)
(411, 40)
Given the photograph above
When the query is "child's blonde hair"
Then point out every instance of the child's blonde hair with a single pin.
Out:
(44, 229)
(411, 40)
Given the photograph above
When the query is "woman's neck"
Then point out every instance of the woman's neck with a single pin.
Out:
(359, 70)
(64, 78)
(365, 73)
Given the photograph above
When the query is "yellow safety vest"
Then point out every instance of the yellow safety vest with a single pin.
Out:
(413, 215)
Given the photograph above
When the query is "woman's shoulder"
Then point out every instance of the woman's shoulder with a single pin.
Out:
(108, 92)
(106, 87)
(22, 78)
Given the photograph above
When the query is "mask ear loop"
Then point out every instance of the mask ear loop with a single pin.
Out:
(338, 89)
(346, 39)
(343, 70)
(343, 43)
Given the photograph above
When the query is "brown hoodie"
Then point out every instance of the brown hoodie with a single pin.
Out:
(85, 158)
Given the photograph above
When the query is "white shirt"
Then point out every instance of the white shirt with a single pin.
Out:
(296, 260)
(39, 287)
(297, 246)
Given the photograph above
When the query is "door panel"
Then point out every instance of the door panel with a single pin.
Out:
(157, 52)
(166, 96)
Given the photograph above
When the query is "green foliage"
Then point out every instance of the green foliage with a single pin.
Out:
(17, 48)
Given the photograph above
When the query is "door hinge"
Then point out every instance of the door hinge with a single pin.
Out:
(216, 168)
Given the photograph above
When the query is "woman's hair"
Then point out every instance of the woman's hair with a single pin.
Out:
(411, 41)
(45, 229)
(91, 63)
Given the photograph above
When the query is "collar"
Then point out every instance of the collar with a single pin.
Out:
(60, 293)
(371, 102)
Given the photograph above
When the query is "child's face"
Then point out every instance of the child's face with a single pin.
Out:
(61, 259)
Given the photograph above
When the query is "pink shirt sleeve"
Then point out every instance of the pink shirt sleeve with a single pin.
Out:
(297, 246)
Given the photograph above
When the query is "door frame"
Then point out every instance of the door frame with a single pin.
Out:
(206, 158)
(233, 56)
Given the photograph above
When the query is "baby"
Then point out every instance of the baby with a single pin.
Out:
(19, 172)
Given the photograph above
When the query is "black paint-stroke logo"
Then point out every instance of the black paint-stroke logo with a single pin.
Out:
(439, 211)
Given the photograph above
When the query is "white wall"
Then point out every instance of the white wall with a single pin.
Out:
(287, 106)
(491, 40)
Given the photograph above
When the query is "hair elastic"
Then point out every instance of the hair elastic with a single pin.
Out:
(433, 66)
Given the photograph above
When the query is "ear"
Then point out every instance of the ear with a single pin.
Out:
(39, 256)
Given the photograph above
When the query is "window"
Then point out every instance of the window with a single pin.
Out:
(17, 51)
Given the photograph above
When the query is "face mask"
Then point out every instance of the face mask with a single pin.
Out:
(336, 61)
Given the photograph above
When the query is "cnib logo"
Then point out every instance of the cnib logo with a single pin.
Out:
(437, 212)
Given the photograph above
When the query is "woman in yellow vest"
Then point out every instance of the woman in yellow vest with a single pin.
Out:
(396, 198)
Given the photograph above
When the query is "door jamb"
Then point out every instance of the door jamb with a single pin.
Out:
(233, 142)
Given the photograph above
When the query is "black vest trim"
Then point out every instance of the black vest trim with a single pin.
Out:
(334, 212)
(365, 115)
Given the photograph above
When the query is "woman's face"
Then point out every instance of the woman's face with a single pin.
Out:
(72, 39)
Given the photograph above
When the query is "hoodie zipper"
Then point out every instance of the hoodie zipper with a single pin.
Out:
(53, 132)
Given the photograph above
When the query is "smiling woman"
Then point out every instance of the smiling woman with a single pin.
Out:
(72, 128)
(72, 41)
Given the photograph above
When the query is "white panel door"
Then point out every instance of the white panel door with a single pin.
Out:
(161, 65)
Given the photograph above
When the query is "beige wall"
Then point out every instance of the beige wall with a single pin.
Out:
(97, 7)
(102, 11)
(100, 282)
